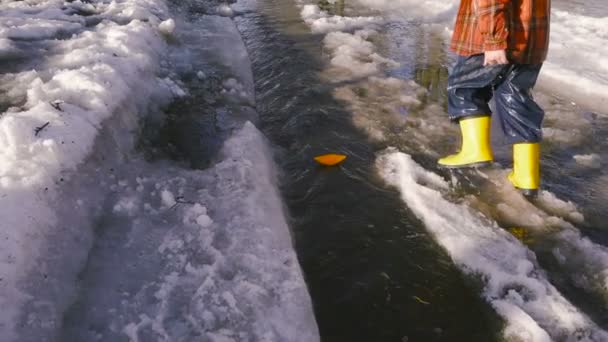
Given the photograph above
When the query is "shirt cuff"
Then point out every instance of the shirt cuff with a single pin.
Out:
(495, 44)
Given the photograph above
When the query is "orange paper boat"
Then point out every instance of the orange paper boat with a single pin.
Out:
(330, 159)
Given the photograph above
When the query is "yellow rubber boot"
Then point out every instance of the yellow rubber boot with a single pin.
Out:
(476, 150)
(526, 168)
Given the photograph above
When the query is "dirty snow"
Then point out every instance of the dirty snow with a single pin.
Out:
(517, 288)
(512, 281)
(197, 254)
(70, 181)
(56, 110)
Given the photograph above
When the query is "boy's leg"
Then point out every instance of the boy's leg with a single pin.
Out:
(469, 91)
(521, 120)
(520, 116)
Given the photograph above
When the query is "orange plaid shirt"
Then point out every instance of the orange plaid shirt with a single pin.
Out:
(519, 26)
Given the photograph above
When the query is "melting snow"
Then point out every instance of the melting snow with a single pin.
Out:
(57, 110)
(512, 281)
(217, 239)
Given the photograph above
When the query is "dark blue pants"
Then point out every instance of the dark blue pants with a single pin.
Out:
(471, 86)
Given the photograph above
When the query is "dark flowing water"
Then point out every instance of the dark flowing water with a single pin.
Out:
(373, 270)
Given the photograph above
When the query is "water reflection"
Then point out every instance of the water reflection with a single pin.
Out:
(421, 55)
(431, 71)
(336, 8)
(359, 246)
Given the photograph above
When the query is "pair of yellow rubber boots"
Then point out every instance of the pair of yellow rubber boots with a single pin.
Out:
(476, 152)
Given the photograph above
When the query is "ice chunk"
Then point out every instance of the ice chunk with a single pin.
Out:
(204, 221)
(322, 22)
(167, 27)
(592, 161)
(197, 214)
(556, 206)
(354, 54)
(311, 12)
(225, 10)
(167, 198)
(126, 205)
(173, 87)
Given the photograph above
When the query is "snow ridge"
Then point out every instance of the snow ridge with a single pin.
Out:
(189, 255)
(513, 283)
(101, 60)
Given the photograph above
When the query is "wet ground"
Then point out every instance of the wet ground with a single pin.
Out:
(373, 270)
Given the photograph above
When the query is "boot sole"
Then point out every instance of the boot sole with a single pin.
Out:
(529, 193)
(466, 166)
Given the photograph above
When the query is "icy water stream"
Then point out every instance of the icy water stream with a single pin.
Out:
(374, 270)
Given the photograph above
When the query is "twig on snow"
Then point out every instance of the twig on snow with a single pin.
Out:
(57, 105)
(37, 130)
(180, 200)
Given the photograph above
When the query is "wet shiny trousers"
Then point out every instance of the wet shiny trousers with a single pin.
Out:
(471, 86)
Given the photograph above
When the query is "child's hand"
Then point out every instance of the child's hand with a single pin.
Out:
(495, 57)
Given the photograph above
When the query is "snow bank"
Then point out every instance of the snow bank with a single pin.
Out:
(513, 283)
(578, 58)
(186, 254)
(268, 284)
(101, 61)
(200, 254)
